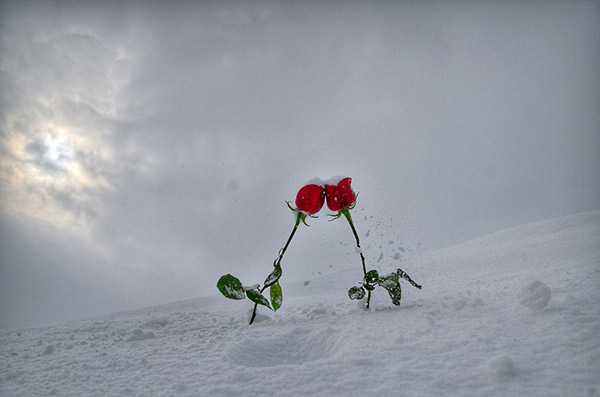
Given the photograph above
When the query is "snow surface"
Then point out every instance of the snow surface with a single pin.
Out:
(512, 313)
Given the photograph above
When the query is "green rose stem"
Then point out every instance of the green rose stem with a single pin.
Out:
(346, 212)
(300, 217)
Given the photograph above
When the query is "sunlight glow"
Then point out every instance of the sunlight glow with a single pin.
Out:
(50, 157)
(44, 173)
(59, 149)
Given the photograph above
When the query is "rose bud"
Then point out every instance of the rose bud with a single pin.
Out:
(310, 199)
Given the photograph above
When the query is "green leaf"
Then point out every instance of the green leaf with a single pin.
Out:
(405, 276)
(273, 277)
(231, 287)
(256, 297)
(372, 277)
(276, 296)
(356, 293)
(392, 285)
(389, 280)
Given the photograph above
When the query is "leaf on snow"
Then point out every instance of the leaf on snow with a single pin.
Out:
(372, 276)
(273, 277)
(276, 296)
(231, 287)
(356, 293)
(392, 285)
(256, 297)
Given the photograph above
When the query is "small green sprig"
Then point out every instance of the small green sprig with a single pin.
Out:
(391, 283)
(309, 200)
(371, 278)
(232, 288)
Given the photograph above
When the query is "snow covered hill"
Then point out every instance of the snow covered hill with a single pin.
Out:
(512, 313)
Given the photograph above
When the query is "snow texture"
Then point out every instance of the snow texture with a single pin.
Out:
(513, 313)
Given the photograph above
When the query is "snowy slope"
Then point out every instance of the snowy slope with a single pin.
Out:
(511, 313)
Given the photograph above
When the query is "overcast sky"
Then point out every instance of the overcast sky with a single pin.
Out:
(148, 147)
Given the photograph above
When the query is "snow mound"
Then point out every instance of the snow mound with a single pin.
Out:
(483, 324)
(535, 295)
(502, 367)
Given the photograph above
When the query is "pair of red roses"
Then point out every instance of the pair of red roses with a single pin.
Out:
(310, 198)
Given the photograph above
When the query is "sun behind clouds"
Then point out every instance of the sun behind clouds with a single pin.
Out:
(52, 155)
(44, 175)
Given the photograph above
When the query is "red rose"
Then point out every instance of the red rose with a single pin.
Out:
(340, 196)
(310, 199)
(332, 199)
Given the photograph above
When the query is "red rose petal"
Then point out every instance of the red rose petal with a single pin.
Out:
(345, 194)
(332, 198)
(310, 198)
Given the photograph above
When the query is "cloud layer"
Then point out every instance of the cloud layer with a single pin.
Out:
(163, 139)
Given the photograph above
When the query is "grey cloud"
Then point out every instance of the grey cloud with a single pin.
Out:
(192, 123)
